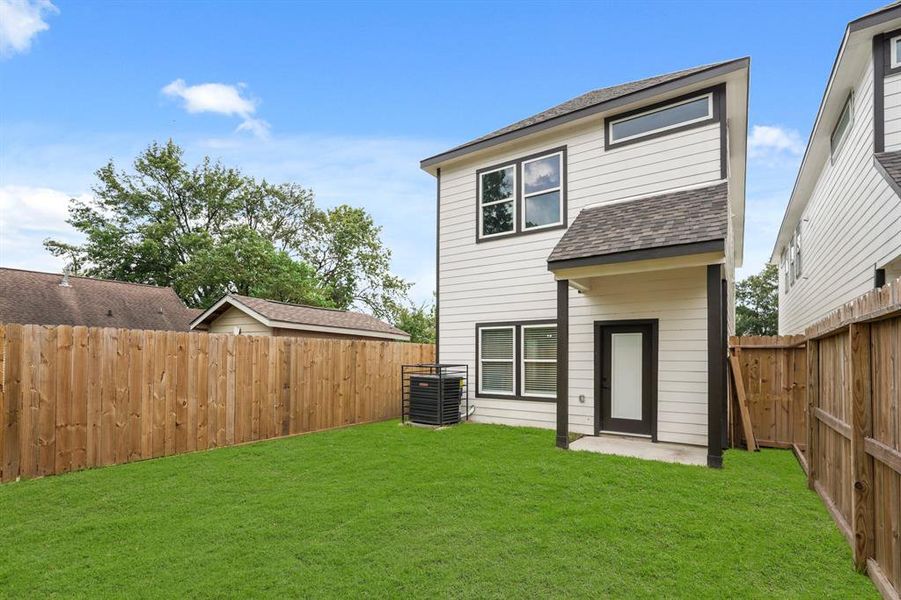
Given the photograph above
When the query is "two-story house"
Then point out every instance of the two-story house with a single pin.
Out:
(586, 258)
(841, 233)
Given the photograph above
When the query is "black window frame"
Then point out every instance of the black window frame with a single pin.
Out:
(718, 93)
(519, 199)
(517, 360)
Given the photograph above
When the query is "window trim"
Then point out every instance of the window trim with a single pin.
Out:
(523, 359)
(519, 201)
(526, 196)
(715, 112)
(894, 59)
(834, 148)
(480, 360)
(517, 362)
(709, 115)
(482, 205)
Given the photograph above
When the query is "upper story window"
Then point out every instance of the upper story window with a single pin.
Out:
(895, 52)
(522, 196)
(798, 252)
(681, 113)
(843, 125)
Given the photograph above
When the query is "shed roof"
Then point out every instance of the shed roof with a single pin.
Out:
(675, 220)
(889, 164)
(39, 298)
(300, 316)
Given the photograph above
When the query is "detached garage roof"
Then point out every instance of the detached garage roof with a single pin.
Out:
(301, 317)
(32, 297)
(673, 224)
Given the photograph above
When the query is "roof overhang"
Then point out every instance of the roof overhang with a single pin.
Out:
(223, 303)
(697, 79)
(695, 257)
(853, 54)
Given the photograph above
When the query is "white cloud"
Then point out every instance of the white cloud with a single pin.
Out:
(28, 216)
(20, 21)
(222, 99)
(767, 141)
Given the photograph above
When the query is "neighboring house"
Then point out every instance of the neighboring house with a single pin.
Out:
(841, 233)
(31, 297)
(586, 258)
(254, 316)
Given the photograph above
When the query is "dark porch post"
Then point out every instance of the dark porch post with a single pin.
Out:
(716, 366)
(563, 363)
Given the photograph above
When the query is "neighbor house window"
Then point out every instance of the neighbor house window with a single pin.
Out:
(497, 360)
(842, 126)
(517, 360)
(497, 201)
(539, 360)
(542, 185)
(798, 252)
(895, 46)
(791, 261)
(524, 195)
(784, 265)
(663, 118)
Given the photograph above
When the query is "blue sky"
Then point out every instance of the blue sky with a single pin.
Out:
(346, 98)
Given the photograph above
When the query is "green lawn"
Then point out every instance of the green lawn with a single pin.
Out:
(385, 510)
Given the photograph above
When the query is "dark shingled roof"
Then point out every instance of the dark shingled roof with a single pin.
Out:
(890, 163)
(38, 298)
(311, 315)
(589, 99)
(671, 219)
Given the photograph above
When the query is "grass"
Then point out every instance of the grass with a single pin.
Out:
(385, 510)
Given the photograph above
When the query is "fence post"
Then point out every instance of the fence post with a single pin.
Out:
(861, 427)
(813, 401)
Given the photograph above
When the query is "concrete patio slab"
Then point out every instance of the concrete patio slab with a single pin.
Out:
(642, 448)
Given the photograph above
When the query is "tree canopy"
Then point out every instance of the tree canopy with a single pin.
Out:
(209, 230)
(757, 299)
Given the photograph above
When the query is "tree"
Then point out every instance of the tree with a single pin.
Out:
(419, 322)
(210, 230)
(757, 298)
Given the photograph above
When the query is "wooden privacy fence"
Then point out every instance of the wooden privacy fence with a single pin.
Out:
(854, 437)
(774, 376)
(78, 397)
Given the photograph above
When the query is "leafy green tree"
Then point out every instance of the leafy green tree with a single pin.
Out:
(208, 230)
(757, 299)
(419, 322)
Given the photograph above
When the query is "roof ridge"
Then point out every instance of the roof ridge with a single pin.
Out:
(298, 305)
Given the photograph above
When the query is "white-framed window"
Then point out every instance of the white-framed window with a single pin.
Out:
(497, 201)
(539, 361)
(542, 191)
(664, 118)
(895, 52)
(497, 360)
(842, 125)
(798, 252)
(791, 261)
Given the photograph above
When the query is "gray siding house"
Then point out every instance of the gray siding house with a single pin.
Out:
(586, 258)
(841, 233)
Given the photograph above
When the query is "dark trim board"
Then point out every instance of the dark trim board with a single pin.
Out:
(517, 360)
(878, 94)
(716, 366)
(884, 66)
(563, 363)
(597, 361)
(724, 137)
(879, 17)
(438, 266)
(642, 254)
(717, 115)
(644, 94)
(518, 200)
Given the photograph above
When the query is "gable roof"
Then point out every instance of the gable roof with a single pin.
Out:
(675, 223)
(854, 52)
(38, 298)
(590, 103)
(302, 317)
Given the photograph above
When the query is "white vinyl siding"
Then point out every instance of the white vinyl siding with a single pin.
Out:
(892, 107)
(508, 280)
(852, 222)
(232, 318)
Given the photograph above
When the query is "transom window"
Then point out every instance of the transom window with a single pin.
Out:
(664, 118)
(517, 360)
(842, 126)
(525, 195)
